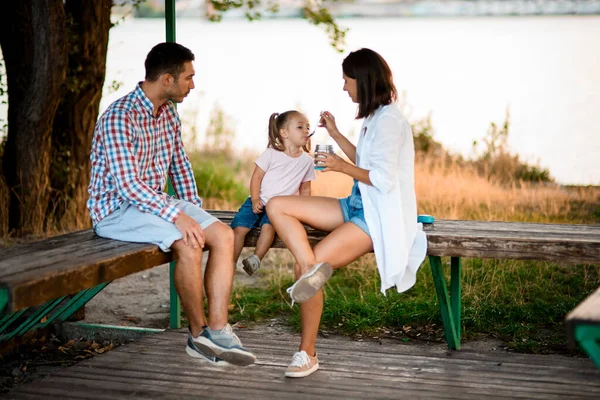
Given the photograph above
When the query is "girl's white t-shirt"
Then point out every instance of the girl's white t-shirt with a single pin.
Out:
(283, 174)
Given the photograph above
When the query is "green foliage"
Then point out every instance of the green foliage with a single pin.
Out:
(143, 9)
(217, 177)
(522, 303)
(494, 161)
(315, 12)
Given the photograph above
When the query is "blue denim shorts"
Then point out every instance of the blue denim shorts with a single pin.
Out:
(129, 224)
(246, 218)
(352, 209)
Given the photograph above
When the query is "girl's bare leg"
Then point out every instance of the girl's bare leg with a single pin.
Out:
(288, 213)
(265, 240)
(342, 246)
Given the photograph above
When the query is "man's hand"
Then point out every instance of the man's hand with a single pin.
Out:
(193, 234)
(257, 206)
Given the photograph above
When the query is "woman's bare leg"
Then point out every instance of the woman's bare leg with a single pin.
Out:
(288, 213)
(339, 248)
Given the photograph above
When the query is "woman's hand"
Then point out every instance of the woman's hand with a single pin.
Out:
(331, 162)
(328, 122)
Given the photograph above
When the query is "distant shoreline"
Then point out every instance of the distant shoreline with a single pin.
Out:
(398, 9)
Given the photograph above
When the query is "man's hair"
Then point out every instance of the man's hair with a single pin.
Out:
(374, 81)
(166, 58)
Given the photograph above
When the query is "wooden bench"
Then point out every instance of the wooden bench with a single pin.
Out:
(81, 264)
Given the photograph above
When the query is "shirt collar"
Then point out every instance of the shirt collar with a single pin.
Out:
(146, 103)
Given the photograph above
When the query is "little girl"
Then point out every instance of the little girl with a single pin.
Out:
(284, 169)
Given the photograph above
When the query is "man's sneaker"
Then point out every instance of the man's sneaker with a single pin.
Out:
(195, 352)
(223, 344)
(310, 283)
(251, 264)
(302, 365)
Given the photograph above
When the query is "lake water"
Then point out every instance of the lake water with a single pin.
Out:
(464, 71)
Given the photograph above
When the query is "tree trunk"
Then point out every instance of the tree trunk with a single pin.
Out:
(32, 37)
(77, 114)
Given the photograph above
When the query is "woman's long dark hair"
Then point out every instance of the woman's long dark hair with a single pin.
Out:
(374, 81)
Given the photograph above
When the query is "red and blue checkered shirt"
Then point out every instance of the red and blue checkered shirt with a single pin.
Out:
(132, 153)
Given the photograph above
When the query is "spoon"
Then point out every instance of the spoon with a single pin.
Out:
(314, 130)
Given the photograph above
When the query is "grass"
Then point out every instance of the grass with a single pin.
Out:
(522, 303)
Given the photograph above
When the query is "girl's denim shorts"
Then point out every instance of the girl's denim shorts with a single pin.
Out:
(246, 218)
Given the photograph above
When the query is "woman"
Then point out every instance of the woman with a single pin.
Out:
(380, 214)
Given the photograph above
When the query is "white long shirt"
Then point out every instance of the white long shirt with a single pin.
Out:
(386, 149)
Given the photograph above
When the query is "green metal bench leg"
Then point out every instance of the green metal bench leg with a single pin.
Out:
(9, 319)
(175, 303)
(33, 319)
(450, 306)
(74, 304)
(588, 337)
(3, 301)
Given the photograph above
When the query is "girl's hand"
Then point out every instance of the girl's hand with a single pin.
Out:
(331, 162)
(257, 206)
(328, 121)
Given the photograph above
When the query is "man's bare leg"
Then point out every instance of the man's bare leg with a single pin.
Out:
(239, 236)
(188, 282)
(219, 274)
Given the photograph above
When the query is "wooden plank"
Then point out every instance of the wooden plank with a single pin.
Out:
(35, 288)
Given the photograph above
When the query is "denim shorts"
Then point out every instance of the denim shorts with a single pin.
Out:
(129, 224)
(352, 209)
(246, 218)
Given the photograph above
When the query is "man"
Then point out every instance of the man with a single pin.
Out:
(137, 142)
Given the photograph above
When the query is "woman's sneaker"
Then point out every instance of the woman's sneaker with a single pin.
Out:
(302, 365)
(310, 283)
(251, 264)
(223, 344)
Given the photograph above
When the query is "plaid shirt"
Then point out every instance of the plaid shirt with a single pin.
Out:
(132, 153)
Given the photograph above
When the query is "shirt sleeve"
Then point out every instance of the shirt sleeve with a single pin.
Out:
(264, 160)
(388, 137)
(117, 135)
(181, 173)
(310, 174)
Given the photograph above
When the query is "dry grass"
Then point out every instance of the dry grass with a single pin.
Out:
(449, 191)
(446, 190)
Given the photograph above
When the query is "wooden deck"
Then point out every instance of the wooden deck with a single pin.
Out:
(158, 367)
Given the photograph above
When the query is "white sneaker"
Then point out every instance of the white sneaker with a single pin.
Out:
(310, 283)
(302, 365)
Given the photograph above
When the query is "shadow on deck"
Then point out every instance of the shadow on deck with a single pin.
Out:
(158, 367)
